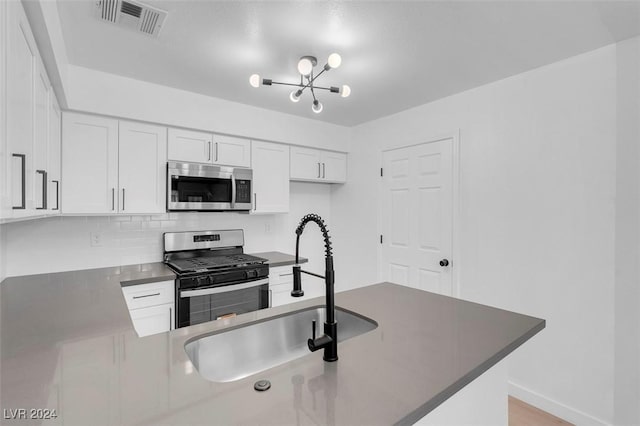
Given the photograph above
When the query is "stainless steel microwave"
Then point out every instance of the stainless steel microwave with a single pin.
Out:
(206, 187)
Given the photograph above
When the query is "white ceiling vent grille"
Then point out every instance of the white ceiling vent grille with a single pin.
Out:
(132, 14)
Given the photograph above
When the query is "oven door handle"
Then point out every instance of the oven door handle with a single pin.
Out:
(222, 289)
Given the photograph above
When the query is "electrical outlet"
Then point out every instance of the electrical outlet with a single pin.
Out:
(95, 239)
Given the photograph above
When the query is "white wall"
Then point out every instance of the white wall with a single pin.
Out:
(627, 250)
(63, 243)
(537, 194)
(97, 92)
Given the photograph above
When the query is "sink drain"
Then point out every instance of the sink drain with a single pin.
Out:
(262, 385)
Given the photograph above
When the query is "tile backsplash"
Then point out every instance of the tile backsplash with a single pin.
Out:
(85, 242)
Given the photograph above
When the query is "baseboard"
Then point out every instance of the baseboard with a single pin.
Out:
(551, 406)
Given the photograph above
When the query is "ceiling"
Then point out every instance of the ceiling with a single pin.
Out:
(395, 55)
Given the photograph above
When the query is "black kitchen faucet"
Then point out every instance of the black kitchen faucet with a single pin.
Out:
(329, 340)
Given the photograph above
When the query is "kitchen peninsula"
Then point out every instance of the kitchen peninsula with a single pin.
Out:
(68, 344)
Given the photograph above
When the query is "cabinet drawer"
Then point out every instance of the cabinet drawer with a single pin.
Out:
(152, 294)
(280, 275)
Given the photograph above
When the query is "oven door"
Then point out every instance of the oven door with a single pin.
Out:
(205, 187)
(207, 304)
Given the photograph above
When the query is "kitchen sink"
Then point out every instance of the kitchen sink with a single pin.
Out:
(241, 352)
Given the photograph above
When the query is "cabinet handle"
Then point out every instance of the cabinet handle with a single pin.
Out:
(323, 174)
(318, 170)
(255, 201)
(209, 150)
(57, 194)
(170, 315)
(146, 295)
(23, 159)
(122, 199)
(113, 198)
(44, 189)
(270, 298)
(216, 151)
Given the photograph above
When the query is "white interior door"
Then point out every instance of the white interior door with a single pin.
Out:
(416, 216)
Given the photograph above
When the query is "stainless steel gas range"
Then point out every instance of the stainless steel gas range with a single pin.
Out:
(216, 279)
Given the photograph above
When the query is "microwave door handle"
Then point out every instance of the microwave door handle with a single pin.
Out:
(233, 191)
(223, 289)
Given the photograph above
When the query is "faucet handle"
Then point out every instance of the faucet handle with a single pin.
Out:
(313, 329)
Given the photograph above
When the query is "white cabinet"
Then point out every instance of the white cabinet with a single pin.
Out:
(334, 166)
(89, 164)
(281, 284)
(305, 164)
(189, 146)
(55, 150)
(20, 106)
(202, 147)
(142, 162)
(111, 166)
(315, 165)
(151, 307)
(42, 88)
(27, 152)
(231, 151)
(270, 164)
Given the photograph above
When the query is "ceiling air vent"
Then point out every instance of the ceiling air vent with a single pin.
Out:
(133, 15)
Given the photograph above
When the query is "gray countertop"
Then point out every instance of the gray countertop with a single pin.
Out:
(276, 258)
(67, 343)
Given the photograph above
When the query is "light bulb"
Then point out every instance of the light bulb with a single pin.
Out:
(305, 66)
(345, 91)
(254, 80)
(295, 96)
(334, 60)
(317, 107)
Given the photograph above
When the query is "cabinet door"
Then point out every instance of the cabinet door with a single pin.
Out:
(231, 151)
(153, 320)
(144, 379)
(305, 164)
(21, 72)
(89, 381)
(187, 145)
(41, 138)
(5, 203)
(89, 164)
(334, 167)
(270, 177)
(142, 154)
(55, 137)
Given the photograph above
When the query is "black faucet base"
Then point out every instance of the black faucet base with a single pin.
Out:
(331, 350)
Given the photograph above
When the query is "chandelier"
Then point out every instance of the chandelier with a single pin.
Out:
(306, 65)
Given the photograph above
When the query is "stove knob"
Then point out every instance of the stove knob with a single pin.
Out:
(202, 281)
(252, 273)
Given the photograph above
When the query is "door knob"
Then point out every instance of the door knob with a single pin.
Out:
(444, 262)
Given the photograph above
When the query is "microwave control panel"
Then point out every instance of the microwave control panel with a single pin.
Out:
(243, 191)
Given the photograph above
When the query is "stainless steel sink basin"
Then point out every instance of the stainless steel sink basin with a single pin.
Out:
(232, 355)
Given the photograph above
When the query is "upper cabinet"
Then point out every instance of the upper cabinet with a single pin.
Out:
(112, 166)
(315, 165)
(142, 168)
(231, 151)
(270, 164)
(189, 146)
(89, 164)
(55, 152)
(29, 153)
(201, 147)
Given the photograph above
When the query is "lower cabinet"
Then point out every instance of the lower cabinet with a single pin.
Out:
(281, 284)
(151, 307)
